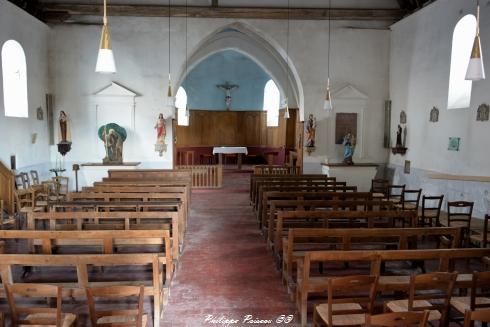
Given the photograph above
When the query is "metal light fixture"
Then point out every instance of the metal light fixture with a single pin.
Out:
(476, 70)
(105, 59)
(327, 105)
(286, 112)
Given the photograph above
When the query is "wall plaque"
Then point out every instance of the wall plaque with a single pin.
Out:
(345, 123)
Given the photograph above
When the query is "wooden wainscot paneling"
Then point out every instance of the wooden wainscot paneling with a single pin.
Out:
(233, 128)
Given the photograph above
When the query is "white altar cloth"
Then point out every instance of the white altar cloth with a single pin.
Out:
(229, 149)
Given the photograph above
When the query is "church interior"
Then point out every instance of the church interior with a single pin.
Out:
(190, 163)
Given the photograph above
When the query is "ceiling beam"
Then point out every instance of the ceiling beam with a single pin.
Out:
(58, 13)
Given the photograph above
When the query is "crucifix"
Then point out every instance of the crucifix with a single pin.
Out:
(227, 88)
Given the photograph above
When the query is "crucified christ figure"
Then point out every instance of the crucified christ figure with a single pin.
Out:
(227, 88)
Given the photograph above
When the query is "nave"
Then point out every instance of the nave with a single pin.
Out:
(225, 269)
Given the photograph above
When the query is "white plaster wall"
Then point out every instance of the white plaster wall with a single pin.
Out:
(359, 57)
(15, 133)
(419, 80)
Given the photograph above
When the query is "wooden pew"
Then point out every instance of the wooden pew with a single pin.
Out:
(335, 205)
(300, 240)
(265, 186)
(307, 283)
(142, 197)
(255, 179)
(115, 206)
(275, 170)
(106, 241)
(155, 286)
(308, 177)
(93, 220)
(264, 192)
(328, 194)
(168, 174)
(327, 218)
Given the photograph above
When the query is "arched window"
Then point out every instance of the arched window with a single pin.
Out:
(181, 105)
(272, 99)
(14, 80)
(459, 95)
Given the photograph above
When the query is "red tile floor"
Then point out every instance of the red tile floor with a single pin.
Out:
(225, 270)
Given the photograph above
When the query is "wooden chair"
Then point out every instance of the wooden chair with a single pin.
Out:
(348, 308)
(395, 193)
(481, 239)
(430, 291)
(479, 315)
(19, 182)
(379, 188)
(431, 211)
(119, 317)
(479, 297)
(459, 215)
(25, 178)
(410, 200)
(398, 319)
(37, 316)
(35, 177)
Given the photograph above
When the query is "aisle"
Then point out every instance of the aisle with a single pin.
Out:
(225, 270)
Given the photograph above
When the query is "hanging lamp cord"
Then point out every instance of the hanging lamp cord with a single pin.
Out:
(169, 41)
(329, 33)
(287, 59)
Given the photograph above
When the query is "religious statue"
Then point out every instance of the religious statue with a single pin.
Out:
(64, 128)
(227, 88)
(399, 143)
(113, 137)
(403, 117)
(64, 145)
(349, 144)
(160, 145)
(310, 131)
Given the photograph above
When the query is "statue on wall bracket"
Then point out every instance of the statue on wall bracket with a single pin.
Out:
(401, 139)
(113, 137)
(64, 146)
(160, 145)
(310, 134)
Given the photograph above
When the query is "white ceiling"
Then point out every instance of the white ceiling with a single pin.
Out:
(372, 4)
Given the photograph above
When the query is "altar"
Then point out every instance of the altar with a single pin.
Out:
(238, 150)
(95, 172)
(359, 175)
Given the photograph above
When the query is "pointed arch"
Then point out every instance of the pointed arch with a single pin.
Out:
(265, 51)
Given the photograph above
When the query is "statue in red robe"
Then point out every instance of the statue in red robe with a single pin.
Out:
(160, 145)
